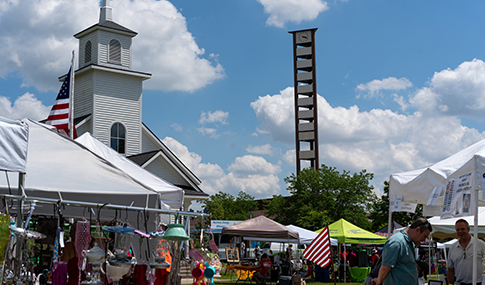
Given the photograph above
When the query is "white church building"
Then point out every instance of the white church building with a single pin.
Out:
(108, 103)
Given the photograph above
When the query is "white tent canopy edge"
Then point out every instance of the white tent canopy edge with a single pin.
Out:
(13, 144)
(169, 193)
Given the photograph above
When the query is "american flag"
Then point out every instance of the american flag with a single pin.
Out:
(319, 249)
(60, 113)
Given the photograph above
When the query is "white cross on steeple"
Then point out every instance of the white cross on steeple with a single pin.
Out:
(105, 13)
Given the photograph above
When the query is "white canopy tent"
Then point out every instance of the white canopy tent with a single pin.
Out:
(446, 228)
(417, 186)
(169, 193)
(307, 236)
(60, 168)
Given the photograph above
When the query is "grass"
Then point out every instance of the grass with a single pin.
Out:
(230, 279)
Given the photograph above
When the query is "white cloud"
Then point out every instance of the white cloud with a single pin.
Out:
(458, 92)
(373, 88)
(251, 174)
(25, 106)
(400, 101)
(296, 11)
(290, 157)
(250, 164)
(381, 141)
(177, 127)
(218, 116)
(209, 131)
(260, 149)
(162, 47)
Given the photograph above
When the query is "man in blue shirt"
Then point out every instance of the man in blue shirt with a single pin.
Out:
(398, 257)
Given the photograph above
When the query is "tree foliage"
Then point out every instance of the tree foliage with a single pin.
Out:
(224, 206)
(379, 213)
(324, 195)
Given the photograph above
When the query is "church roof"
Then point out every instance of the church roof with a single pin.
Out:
(141, 158)
(106, 25)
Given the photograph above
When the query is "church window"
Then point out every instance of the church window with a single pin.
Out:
(87, 52)
(114, 51)
(118, 137)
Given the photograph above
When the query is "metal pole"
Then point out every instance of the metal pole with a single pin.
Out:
(19, 223)
(107, 206)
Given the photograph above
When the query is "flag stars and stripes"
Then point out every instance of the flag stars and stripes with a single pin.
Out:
(319, 250)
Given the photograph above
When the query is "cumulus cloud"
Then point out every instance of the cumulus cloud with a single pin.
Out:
(25, 106)
(457, 92)
(163, 46)
(209, 131)
(296, 11)
(251, 174)
(218, 116)
(373, 88)
(250, 164)
(381, 141)
(260, 149)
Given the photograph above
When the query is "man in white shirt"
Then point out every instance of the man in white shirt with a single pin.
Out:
(460, 258)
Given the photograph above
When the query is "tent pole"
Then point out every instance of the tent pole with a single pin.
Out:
(107, 206)
(345, 264)
(475, 226)
(19, 224)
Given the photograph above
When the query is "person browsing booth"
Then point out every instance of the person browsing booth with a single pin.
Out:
(398, 255)
(460, 257)
(264, 269)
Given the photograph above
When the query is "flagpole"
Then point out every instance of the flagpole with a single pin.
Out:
(331, 257)
(71, 99)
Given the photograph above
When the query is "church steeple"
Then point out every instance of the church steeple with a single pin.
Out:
(105, 12)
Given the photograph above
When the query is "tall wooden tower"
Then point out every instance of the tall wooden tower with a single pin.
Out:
(305, 86)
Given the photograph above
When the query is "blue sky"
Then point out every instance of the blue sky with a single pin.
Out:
(401, 84)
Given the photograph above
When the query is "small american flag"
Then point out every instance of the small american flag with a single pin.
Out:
(319, 249)
(60, 113)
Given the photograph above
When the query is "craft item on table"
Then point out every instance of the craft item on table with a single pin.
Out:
(209, 272)
(82, 240)
(27, 234)
(56, 246)
(198, 273)
(194, 253)
(212, 243)
(96, 257)
(123, 235)
(160, 249)
(59, 273)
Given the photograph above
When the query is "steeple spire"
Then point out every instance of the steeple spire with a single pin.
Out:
(105, 13)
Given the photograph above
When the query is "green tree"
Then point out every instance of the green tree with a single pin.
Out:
(379, 213)
(324, 195)
(224, 206)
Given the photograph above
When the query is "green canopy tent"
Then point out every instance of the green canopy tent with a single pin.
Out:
(346, 232)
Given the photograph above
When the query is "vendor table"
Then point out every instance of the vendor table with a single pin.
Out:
(358, 274)
(244, 273)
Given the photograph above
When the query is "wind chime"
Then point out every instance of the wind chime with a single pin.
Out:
(120, 264)
(176, 234)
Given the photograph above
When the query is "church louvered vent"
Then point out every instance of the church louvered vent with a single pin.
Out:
(114, 51)
(87, 52)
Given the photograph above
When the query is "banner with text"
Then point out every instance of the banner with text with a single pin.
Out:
(459, 200)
